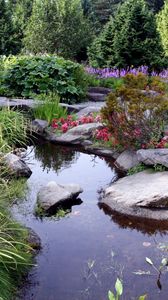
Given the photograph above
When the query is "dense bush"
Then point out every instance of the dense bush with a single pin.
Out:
(24, 75)
(135, 112)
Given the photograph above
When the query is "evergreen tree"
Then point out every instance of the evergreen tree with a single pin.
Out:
(57, 26)
(156, 5)
(7, 45)
(131, 38)
(162, 22)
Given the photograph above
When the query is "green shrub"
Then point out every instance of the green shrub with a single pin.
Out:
(135, 112)
(24, 75)
(50, 108)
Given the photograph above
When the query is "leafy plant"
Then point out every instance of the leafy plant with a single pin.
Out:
(24, 75)
(139, 168)
(49, 108)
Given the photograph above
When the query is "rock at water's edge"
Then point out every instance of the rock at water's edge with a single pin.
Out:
(144, 194)
(127, 160)
(17, 166)
(153, 156)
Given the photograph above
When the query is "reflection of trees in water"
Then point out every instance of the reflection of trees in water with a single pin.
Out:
(55, 157)
(146, 226)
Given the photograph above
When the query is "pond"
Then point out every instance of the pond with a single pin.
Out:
(85, 251)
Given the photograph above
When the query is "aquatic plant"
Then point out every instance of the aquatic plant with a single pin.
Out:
(49, 108)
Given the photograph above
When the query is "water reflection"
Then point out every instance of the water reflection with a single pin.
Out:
(146, 226)
(54, 157)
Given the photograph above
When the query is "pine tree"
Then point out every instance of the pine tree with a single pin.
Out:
(131, 38)
(162, 22)
(7, 45)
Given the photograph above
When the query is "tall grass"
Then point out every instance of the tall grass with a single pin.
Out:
(50, 108)
(15, 253)
(13, 127)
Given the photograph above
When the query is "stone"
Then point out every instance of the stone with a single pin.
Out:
(34, 241)
(76, 134)
(53, 195)
(39, 126)
(127, 160)
(99, 90)
(101, 151)
(153, 156)
(96, 97)
(17, 166)
(144, 194)
(89, 110)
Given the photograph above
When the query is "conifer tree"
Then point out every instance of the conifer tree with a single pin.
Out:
(7, 45)
(131, 38)
(162, 22)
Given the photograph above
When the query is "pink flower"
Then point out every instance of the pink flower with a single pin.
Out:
(64, 127)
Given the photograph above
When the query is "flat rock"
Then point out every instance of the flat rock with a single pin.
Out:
(52, 195)
(127, 160)
(96, 96)
(17, 166)
(89, 110)
(153, 156)
(101, 151)
(99, 90)
(19, 103)
(76, 134)
(144, 194)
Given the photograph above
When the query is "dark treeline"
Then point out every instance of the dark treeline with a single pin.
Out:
(70, 27)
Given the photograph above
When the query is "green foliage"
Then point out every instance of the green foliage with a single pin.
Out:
(57, 26)
(134, 114)
(49, 109)
(111, 82)
(24, 75)
(7, 45)
(139, 168)
(162, 22)
(13, 128)
(130, 39)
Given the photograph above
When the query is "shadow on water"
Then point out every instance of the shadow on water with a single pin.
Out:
(84, 252)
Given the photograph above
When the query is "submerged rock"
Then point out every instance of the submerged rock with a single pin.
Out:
(144, 194)
(16, 165)
(53, 194)
(127, 160)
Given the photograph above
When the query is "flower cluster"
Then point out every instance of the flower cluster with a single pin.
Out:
(64, 125)
(103, 134)
(108, 72)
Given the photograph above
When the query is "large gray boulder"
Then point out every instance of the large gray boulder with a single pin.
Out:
(99, 90)
(76, 134)
(53, 195)
(16, 165)
(96, 97)
(153, 156)
(127, 160)
(144, 194)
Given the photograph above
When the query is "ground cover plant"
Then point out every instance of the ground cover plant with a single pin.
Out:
(27, 75)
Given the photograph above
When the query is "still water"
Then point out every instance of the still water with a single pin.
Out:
(83, 253)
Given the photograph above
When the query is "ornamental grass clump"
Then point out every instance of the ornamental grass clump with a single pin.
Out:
(135, 113)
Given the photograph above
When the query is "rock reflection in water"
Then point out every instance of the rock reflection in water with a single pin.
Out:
(146, 226)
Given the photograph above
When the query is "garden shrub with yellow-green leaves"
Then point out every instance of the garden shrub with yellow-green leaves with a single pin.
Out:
(135, 113)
